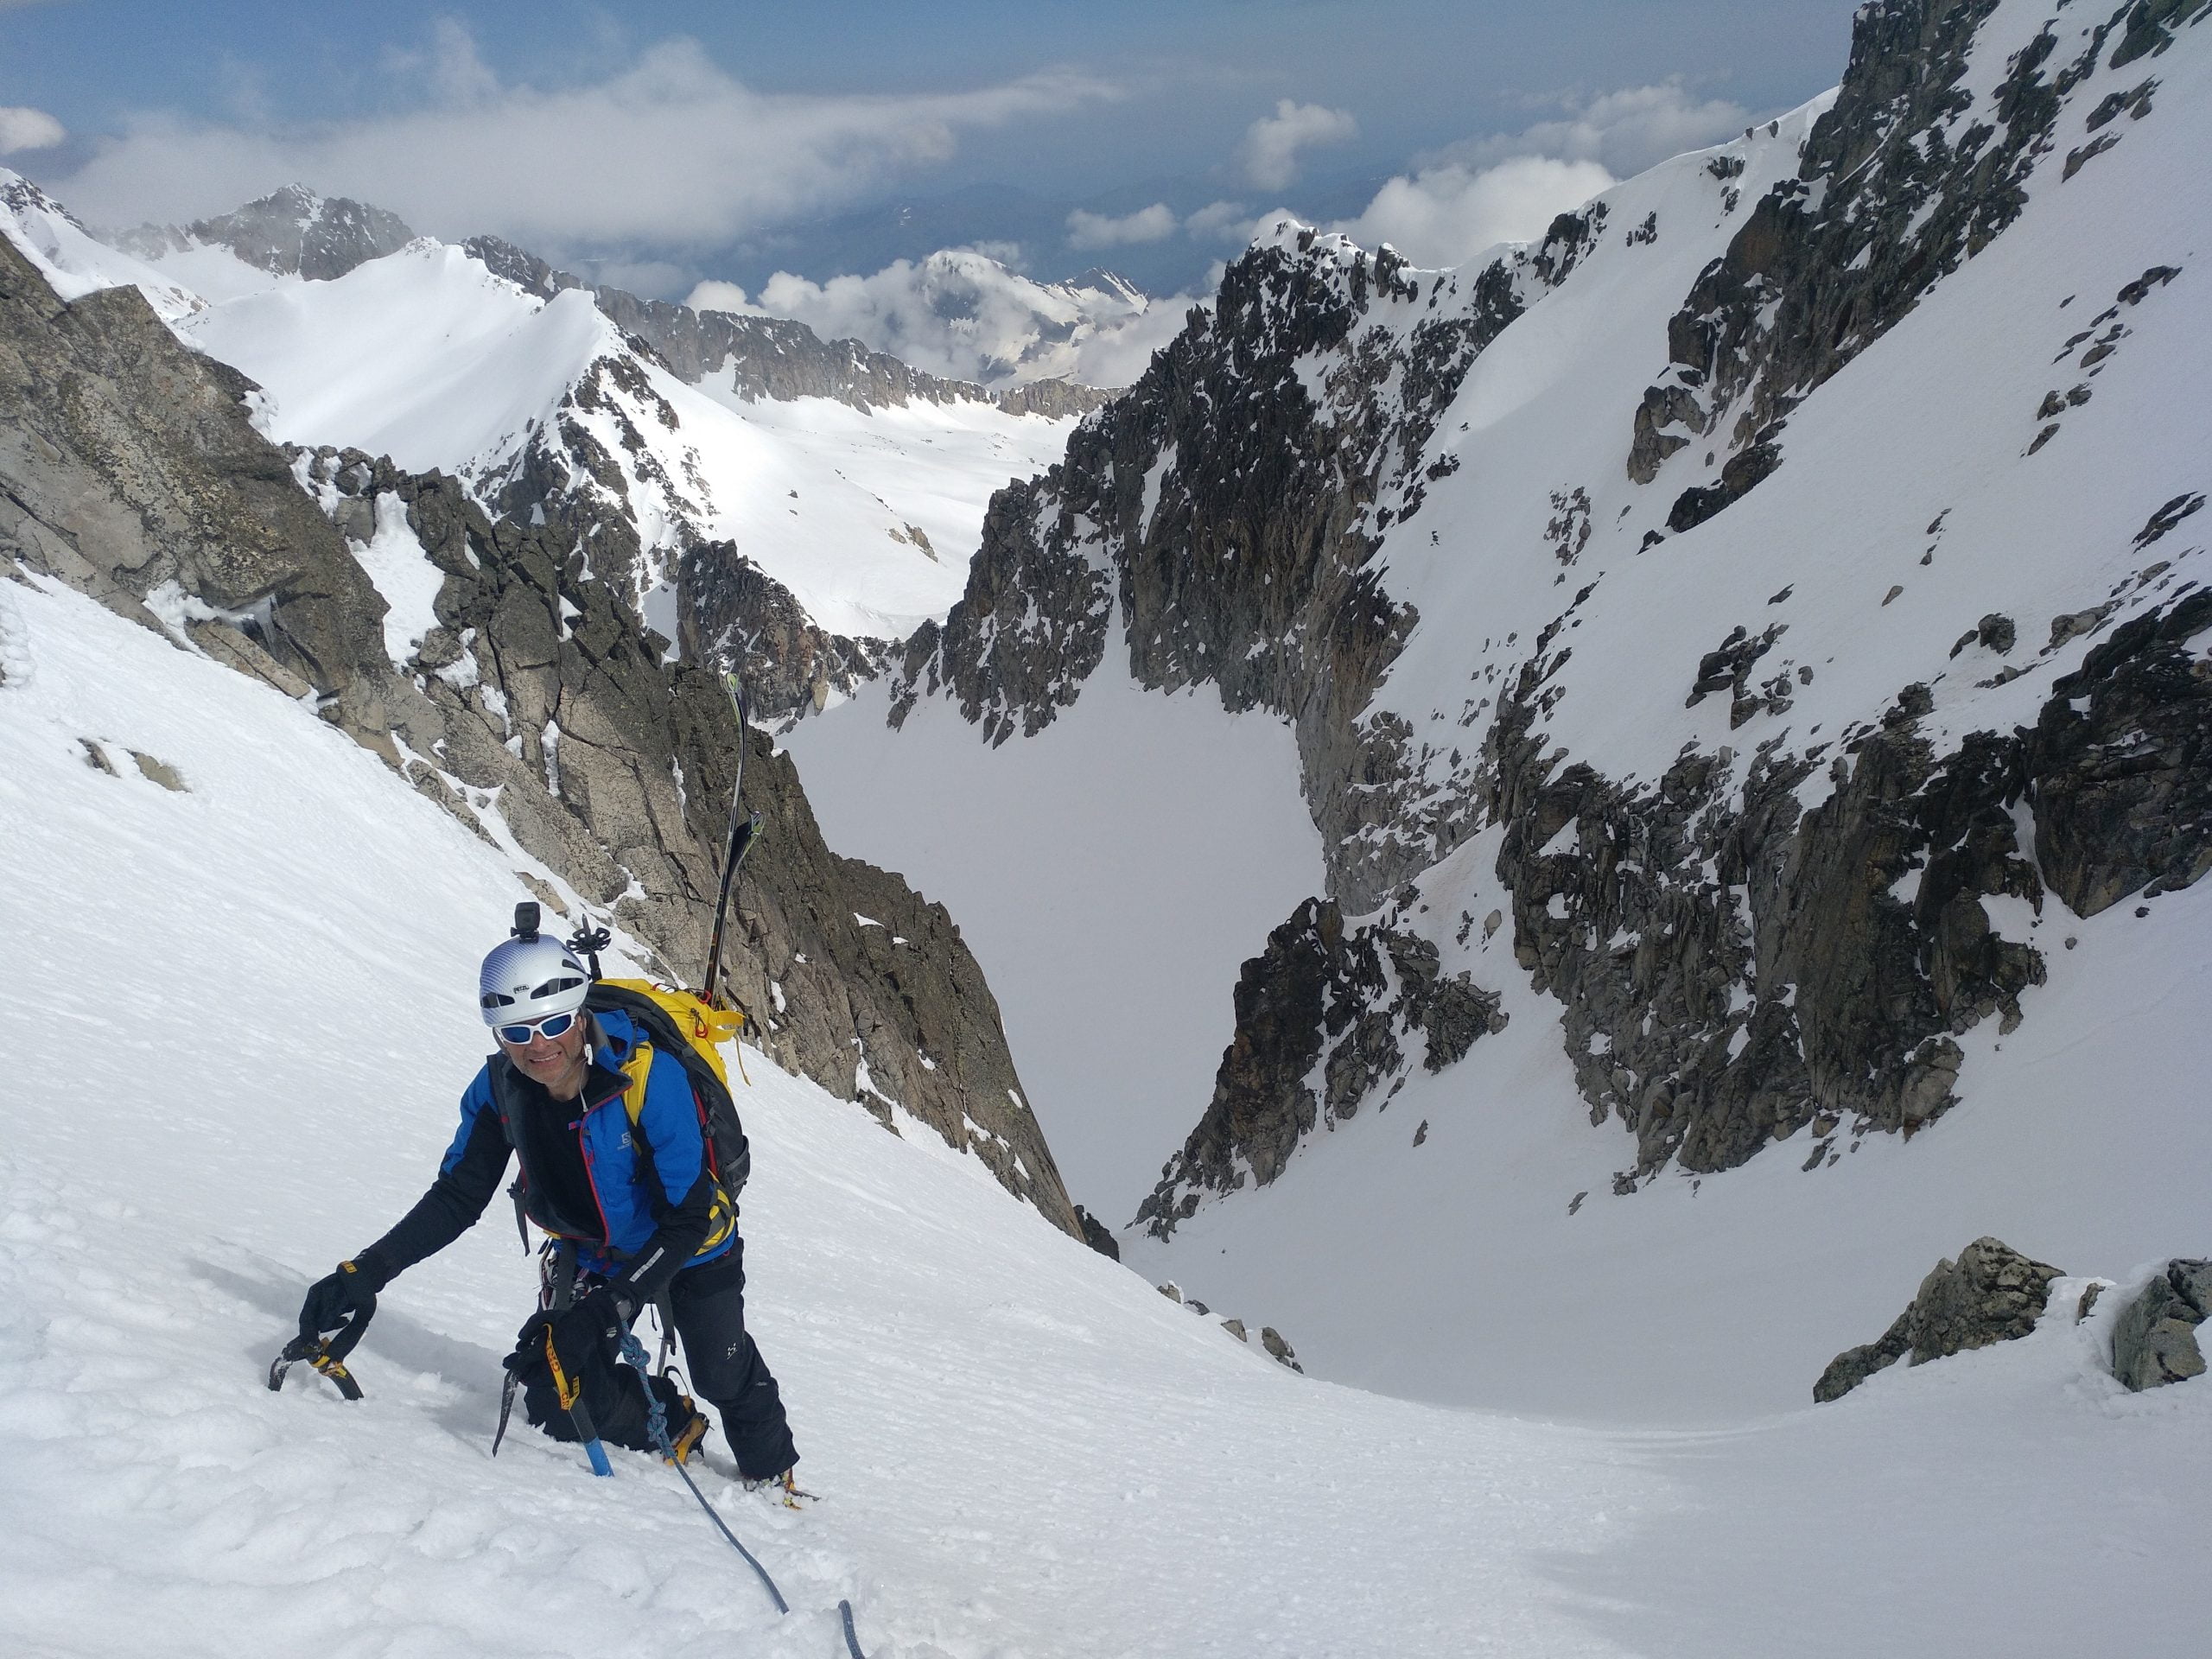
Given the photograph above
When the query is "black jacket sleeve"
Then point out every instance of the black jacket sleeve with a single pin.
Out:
(453, 1203)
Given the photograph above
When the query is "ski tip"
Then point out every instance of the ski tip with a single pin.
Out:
(852, 1641)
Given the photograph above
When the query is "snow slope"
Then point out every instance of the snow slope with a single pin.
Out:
(73, 261)
(241, 1020)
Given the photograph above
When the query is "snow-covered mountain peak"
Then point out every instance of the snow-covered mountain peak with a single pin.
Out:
(821, 498)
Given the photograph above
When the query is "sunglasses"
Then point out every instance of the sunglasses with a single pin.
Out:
(553, 1025)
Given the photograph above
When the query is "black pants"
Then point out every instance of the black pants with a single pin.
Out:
(726, 1369)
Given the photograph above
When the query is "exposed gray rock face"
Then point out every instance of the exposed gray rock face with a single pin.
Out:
(292, 232)
(732, 613)
(1990, 1293)
(129, 469)
(769, 357)
(1232, 518)
(1735, 969)
(1889, 199)
(2154, 1340)
(1324, 1017)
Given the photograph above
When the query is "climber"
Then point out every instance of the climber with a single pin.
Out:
(615, 1168)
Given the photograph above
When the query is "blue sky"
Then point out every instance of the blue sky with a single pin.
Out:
(688, 134)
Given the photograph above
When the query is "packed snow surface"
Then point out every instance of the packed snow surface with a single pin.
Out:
(245, 1021)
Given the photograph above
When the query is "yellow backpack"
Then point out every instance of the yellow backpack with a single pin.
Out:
(679, 1023)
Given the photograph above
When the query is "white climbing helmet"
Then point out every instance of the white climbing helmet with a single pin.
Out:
(526, 980)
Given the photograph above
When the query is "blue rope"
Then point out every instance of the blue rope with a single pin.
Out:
(634, 1354)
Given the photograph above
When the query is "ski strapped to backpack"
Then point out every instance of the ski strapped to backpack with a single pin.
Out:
(743, 830)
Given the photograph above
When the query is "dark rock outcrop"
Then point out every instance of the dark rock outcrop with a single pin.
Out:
(2154, 1338)
(290, 232)
(2122, 788)
(732, 613)
(1097, 1235)
(1990, 1293)
(129, 470)
(1322, 1004)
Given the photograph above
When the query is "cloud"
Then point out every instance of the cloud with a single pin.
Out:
(1464, 199)
(721, 296)
(1445, 215)
(1153, 223)
(1626, 131)
(1230, 220)
(963, 313)
(1269, 155)
(667, 150)
(28, 129)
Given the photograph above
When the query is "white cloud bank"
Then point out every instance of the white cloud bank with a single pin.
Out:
(28, 129)
(668, 149)
(1467, 199)
(1446, 215)
(963, 313)
(1626, 131)
(1153, 223)
(1269, 155)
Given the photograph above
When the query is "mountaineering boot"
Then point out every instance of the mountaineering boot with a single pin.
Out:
(685, 1443)
(784, 1486)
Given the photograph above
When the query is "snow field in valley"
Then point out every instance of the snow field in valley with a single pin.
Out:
(1110, 873)
(246, 1023)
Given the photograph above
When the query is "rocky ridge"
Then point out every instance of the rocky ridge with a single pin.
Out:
(292, 232)
(1228, 510)
(1324, 1017)
(535, 707)
(597, 460)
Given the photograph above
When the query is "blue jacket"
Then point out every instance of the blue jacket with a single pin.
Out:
(622, 1171)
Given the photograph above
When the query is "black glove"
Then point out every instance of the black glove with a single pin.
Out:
(343, 1302)
(591, 1327)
